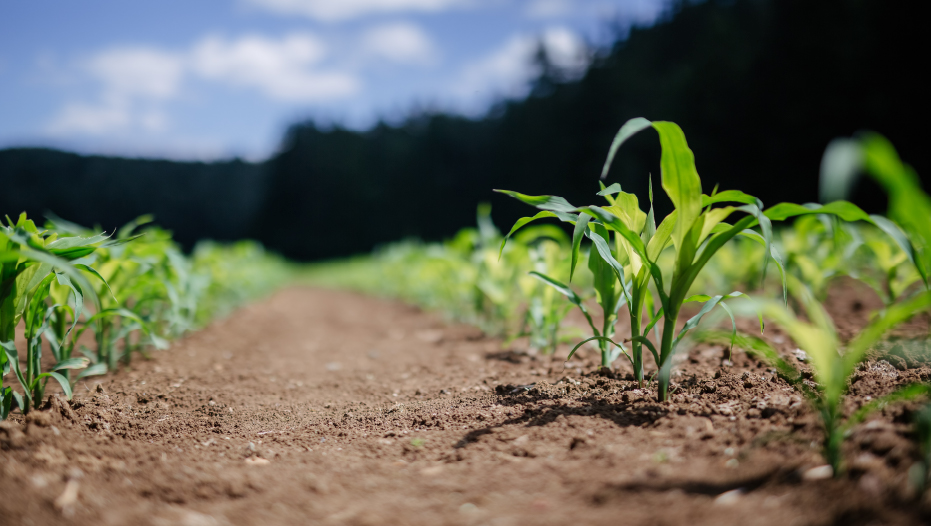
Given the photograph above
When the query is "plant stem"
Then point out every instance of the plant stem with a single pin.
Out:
(636, 348)
(607, 330)
(662, 376)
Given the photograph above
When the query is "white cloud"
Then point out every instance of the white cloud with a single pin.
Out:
(106, 117)
(565, 49)
(142, 72)
(137, 81)
(401, 43)
(507, 70)
(337, 10)
(282, 69)
(548, 8)
(90, 119)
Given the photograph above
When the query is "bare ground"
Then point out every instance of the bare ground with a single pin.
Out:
(323, 407)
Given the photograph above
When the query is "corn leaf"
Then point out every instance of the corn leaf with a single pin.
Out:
(551, 203)
(629, 128)
(679, 178)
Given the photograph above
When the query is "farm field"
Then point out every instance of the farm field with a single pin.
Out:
(640, 390)
(318, 406)
(483, 263)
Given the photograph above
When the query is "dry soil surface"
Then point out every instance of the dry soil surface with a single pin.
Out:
(324, 407)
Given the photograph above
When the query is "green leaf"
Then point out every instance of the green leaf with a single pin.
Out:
(543, 202)
(614, 223)
(757, 347)
(66, 267)
(127, 229)
(710, 303)
(730, 196)
(887, 319)
(93, 271)
(901, 239)
(119, 242)
(581, 225)
(603, 278)
(13, 359)
(611, 190)
(76, 294)
(905, 394)
(71, 363)
(842, 209)
(679, 177)
(645, 341)
(559, 286)
(774, 254)
(62, 381)
(661, 237)
(64, 243)
(517, 226)
(601, 245)
(598, 338)
(94, 370)
(567, 292)
(840, 164)
(767, 228)
(629, 128)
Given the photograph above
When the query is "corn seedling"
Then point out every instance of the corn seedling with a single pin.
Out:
(32, 261)
(147, 291)
(909, 221)
(695, 229)
(832, 363)
(546, 308)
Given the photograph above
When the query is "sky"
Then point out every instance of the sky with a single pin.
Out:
(215, 79)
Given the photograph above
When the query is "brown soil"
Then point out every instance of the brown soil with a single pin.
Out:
(328, 407)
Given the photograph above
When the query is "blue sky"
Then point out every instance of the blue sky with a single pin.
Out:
(211, 79)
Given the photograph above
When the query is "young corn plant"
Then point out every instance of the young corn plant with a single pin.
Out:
(833, 364)
(695, 230)
(546, 247)
(608, 290)
(32, 260)
(909, 211)
(129, 284)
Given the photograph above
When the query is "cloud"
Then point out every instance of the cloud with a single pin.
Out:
(281, 69)
(91, 119)
(136, 82)
(338, 10)
(507, 70)
(105, 117)
(401, 43)
(548, 8)
(137, 72)
(565, 49)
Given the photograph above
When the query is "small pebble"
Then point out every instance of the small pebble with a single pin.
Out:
(729, 498)
(818, 473)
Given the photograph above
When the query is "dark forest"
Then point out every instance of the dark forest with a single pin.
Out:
(759, 86)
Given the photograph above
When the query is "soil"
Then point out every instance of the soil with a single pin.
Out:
(326, 407)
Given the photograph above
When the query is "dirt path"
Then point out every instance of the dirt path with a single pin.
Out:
(332, 408)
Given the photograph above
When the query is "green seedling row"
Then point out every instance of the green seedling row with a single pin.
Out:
(622, 260)
(92, 300)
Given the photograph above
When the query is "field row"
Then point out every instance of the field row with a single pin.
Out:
(621, 261)
(96, 299)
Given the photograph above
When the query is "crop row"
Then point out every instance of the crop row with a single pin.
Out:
(709, 250)
(93, 300)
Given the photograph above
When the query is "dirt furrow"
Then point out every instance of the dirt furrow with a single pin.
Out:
(328, 407)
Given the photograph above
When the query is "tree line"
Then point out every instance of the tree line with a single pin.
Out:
(759, 87)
